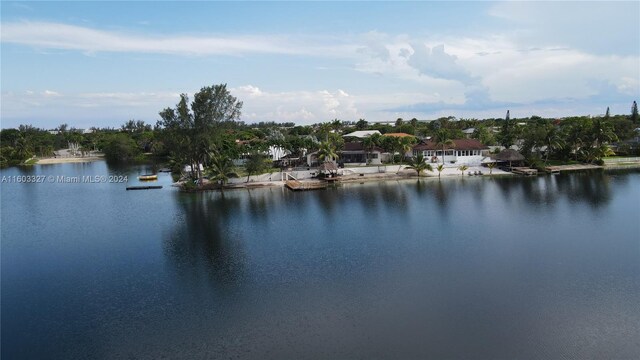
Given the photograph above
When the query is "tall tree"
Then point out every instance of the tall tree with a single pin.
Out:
(634, 112)
(361, 124)
(369, 143)
(552, 140)
(602, 131)
(442, 139)
(256, 163)
(194, 130)
(508, 133)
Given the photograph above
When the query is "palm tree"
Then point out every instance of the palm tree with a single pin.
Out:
(491, 165)
(553, 141)
(419, 165)
(439, 168)
(595, 154)
(442, 139)
(221, 168)
(327, 152)
(463, 168)
(23, 148)
(369, 143)
(602, 131)
(324, 129)
(405, 144)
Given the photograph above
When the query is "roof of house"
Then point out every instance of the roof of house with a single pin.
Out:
(459, 144)
(362, 133)
(398, 134)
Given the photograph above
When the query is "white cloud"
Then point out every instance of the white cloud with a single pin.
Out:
(297, 106)
(435, 62)
(90, 41)
(50, 93)
(600, 27)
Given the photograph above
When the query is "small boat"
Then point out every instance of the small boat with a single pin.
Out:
(148, 177)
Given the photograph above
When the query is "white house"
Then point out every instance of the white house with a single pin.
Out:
(464, 151)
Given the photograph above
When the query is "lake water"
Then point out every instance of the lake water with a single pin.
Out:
(475, 268)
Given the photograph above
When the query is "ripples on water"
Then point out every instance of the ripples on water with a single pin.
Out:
(545, 267)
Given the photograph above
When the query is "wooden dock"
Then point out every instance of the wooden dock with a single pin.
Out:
(296, 185)
(524, 171)
(575, 167)
(150, 187)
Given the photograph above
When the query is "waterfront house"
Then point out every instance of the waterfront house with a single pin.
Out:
(355, 153)
(464, 151)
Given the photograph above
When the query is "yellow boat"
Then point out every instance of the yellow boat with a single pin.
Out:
(150, 177)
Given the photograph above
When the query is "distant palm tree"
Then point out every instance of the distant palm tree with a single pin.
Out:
(440, 167)
(442, 139)
(463, 168)
(419, 165)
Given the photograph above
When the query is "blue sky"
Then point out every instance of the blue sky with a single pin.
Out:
(103, 63)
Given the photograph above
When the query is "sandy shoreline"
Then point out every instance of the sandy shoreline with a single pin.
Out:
(404, 175)
(64, 160)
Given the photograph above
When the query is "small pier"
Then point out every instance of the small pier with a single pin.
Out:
(576, 167)
(151, 187)
(297, 185)
(524, 171)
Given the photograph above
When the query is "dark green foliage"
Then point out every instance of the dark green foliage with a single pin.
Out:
(192, 132)
(121, 147)
(419, 164)
(256, 163)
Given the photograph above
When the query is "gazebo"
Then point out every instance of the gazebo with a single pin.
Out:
(509, 155)
(328, 167)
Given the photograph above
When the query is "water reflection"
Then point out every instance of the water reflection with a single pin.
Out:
(592, 187)
(203, 247)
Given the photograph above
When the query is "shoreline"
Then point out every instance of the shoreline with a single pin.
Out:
(403, 175)
(344, 179)
(66, 160)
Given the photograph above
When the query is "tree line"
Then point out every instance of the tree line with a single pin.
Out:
(208, 130)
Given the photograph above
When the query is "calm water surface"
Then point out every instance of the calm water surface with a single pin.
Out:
(527, 268)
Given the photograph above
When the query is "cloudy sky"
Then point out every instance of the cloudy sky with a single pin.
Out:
(103, 63)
